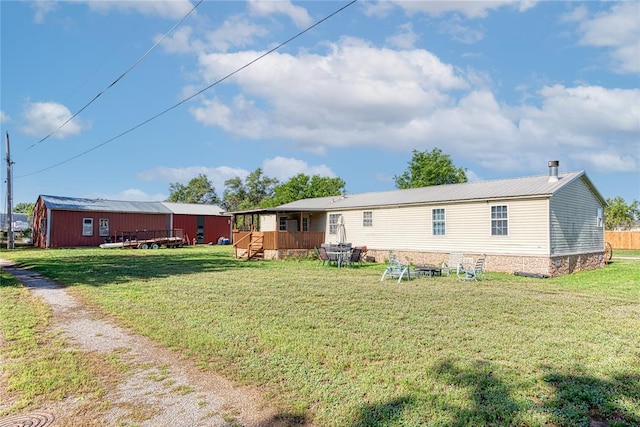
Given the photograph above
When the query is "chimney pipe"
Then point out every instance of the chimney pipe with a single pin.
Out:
(553, 170)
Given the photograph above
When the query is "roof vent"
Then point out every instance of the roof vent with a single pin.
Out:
(553, 170)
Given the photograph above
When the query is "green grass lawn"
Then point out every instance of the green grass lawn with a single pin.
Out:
(337, 347)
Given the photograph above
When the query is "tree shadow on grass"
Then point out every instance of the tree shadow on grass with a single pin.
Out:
(581, 400)
(108, 266)
(384, 414)
(492, 404)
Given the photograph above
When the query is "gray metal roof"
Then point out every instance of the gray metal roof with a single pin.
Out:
(194, 209)
(534, 186)
(78, 204)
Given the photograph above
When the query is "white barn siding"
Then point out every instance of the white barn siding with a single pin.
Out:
(467, 225)
(574, 221)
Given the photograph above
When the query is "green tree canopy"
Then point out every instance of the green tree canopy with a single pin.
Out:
(25, 208)
(430, 168)
(302, 186)
(249, 194)
(199, 190)
(619, 214)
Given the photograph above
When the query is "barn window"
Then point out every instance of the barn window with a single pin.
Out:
(333, 223)
(305, 224)
(103, 227)
(438, 223)
(87, 226)
(600, 218)
(499, 221)
(367, 219)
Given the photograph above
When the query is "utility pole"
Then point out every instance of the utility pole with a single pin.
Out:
(10, 240)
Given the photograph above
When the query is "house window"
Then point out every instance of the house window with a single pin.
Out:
(333, 223)
(367, 219)
(499, 221)
(437, 218)
(103, 227)
(282, 224)
(305, 224)
(87, 226)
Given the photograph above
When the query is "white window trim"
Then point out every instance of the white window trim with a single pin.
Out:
(491, 219)
(443, 221)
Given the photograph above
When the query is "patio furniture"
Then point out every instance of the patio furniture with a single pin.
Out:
(355, 257)
(475, 272)
(321, 255)
(455, 260)
(396, 269)
(427, 270)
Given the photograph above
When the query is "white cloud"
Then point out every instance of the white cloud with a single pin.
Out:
(349, 96)
(132, 194)
(173, 9)
(619, 30)
(357, 95)
(460, 31)
(283, 168)
(405, 37)
(41, 9)
(470, 9)
(42, 118)
(297, 14)
(4, 118)
(217, 175)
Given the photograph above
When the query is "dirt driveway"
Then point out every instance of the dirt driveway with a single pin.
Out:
(159, 388)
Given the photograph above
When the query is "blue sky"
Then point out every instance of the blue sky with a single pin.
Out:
(502, 87)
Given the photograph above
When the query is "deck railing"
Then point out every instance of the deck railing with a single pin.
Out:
(273, 240)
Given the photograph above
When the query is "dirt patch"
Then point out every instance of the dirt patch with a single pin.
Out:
(154, 386)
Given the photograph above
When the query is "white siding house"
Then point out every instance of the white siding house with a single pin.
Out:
(547, 224)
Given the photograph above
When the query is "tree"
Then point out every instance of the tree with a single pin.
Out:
(25, 208)
(430, 168)
(302, 186)
(619, 214)
(199, 190)
(249, 194)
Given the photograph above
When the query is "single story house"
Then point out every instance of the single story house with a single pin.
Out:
(60, 222)
(548, 224)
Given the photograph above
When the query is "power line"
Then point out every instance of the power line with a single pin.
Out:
(131, 67)
(191, 96)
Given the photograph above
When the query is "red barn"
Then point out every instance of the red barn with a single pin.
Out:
(68, 222)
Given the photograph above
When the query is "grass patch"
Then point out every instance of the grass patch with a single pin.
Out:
(38, 365)
(340, 348)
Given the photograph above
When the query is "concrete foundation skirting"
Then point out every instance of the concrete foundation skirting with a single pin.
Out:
(551, 266)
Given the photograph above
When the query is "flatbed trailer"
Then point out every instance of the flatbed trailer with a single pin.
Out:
(146, 239)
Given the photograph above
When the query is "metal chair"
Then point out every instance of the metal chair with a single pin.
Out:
(321, 255)
(475, 273)
(455, 260)
(396, 269)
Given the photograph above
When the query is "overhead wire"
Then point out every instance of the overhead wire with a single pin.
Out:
(131, 67)
(193, 95)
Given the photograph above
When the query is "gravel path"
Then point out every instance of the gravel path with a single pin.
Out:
(166, 388)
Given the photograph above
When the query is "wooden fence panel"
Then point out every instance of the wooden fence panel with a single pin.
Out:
(623, 239)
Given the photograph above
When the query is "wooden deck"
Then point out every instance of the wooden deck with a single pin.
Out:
(250, 244)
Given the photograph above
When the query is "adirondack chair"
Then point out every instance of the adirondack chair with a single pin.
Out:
(455, 260)
(396, 269)
(474, 272)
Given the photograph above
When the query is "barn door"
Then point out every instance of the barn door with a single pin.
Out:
(200, 229)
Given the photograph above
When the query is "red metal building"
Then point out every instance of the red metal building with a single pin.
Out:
(69, 222)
